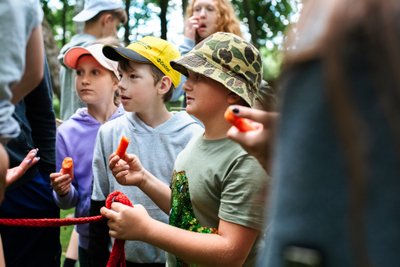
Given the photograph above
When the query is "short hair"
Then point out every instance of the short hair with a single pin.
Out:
(155, 72)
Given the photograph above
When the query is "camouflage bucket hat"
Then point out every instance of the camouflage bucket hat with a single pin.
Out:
(227, 59)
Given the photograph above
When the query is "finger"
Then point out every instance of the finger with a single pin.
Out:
(113, 160)
(264, 117)
(117, 206)
(30, 159)
(108, 213)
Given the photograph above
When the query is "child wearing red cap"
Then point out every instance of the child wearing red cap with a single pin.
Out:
(97, 86)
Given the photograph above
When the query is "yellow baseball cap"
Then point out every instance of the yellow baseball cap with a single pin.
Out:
(149, 49)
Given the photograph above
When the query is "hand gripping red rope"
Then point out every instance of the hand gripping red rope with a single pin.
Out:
(117, 256)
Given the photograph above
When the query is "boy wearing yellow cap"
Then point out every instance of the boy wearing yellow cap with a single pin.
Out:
(156, 136)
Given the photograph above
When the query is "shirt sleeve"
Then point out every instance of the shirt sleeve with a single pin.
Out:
(243, 193)
(71, 199)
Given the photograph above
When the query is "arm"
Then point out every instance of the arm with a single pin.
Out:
(258, 142)
(230, 247)
(33, 66)
(64, 192)
(130, 171)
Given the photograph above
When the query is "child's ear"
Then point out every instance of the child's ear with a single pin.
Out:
(165, 85)
(233, 98)
(106, 18)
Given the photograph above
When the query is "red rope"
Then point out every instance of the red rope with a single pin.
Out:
(117, 256)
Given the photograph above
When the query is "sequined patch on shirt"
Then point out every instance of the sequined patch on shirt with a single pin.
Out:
(182, 214)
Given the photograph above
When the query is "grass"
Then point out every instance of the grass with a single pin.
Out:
(65, 232)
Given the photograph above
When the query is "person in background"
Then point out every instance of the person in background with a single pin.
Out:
(335, 197)
(203, 18)
(157, 135)
(31, 195)
(101, 19)
(217, 195)
(97, 87)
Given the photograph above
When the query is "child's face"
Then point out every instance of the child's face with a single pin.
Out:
(138, 91)
(205, 98)
(207, 14)
(94, 83)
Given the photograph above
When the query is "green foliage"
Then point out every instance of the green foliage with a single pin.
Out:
(272, 61)
(271, 18)
(60, 20)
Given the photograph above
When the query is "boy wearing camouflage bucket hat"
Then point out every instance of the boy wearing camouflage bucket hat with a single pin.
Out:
(216, 198)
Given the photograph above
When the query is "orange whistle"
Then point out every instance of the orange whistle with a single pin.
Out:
(242, 124)
(123, 145)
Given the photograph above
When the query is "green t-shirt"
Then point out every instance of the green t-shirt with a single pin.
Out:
(213, 180)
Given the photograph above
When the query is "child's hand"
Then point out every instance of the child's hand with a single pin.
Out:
(15, 173)
(61, 183)
(127, 171)
(191, 26)
(127, 223)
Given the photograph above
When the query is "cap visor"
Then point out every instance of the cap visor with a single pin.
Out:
(117, 53)
(72, 55)
(84, 15)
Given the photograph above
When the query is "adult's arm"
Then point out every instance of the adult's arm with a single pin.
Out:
(34, 65)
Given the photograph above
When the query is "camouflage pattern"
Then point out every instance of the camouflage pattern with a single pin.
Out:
(227, 59)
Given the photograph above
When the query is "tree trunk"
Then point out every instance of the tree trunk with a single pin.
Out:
(126, 26)
(64, 21)
(163, 18)
(52, 52)
(184, 6)
(247, 10)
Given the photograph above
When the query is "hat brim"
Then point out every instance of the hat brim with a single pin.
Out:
(197, 64)
(85, 15)
(73, 54)
(118, 53)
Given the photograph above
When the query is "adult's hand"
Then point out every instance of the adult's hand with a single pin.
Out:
(257, 142)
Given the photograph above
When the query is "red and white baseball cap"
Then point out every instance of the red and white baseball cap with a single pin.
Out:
(74, 53)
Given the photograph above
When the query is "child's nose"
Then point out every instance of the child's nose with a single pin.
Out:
(203, 12)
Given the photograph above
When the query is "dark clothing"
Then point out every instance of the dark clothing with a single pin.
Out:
(310, 196)
(99, 237)
(31, 196)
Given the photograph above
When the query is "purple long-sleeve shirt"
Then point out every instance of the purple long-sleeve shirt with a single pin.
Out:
(76, 138)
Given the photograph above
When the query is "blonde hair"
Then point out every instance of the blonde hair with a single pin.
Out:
(227, 20)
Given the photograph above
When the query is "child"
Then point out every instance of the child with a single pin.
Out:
(147, 82)
(101, 19)
(97, 86)
(203, 18)
(218, 190)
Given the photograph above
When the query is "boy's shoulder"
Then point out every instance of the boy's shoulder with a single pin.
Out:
(182, 120)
